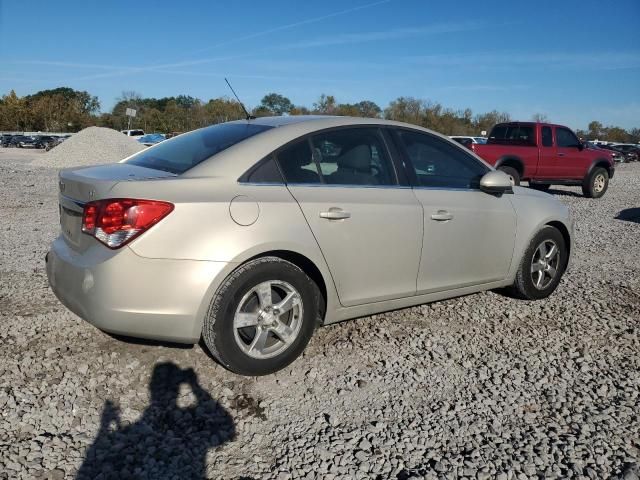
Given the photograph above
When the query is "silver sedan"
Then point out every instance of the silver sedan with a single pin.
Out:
(250, 234)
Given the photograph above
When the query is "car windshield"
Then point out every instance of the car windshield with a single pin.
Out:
(183, 152)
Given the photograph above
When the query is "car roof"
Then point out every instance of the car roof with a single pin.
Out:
(238, 158)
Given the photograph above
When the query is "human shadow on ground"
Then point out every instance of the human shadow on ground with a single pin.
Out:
(629, 215)
(168, 441)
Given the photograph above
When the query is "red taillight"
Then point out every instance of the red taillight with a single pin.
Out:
(117, 221)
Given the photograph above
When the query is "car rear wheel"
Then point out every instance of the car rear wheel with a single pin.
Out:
(513, 174)
(596, 184)
(542, 265)
(262, 317)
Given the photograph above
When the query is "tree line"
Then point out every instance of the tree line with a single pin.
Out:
(66, 109)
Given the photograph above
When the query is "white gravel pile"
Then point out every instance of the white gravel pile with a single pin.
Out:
(91, 146)
(478, 387)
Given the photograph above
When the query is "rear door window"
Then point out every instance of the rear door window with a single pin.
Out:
(353, 156)
(297, 165)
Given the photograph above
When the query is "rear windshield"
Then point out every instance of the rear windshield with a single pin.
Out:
(183, 152)
(513, 134)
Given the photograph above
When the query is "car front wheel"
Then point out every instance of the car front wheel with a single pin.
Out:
(262, 317)
(542, 265)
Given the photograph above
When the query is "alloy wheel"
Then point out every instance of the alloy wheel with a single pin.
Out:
(544, 264)
(268, 319)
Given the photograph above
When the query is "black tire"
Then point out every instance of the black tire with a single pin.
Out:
(524, 286)
(595, 184)
(218, 329)
(543, 187)
(512, 172)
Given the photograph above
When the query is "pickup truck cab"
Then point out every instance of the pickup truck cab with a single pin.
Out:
(546, 154)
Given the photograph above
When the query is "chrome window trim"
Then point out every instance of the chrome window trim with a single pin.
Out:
(386, 187)
(334, 185)
(266, 184)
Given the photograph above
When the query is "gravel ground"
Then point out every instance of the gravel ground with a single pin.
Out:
(476, 387)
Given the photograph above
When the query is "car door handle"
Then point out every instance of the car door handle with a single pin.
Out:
(441, 216)
(561, 154)
(335, 214)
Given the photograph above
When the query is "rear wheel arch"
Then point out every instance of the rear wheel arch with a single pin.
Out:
(307, 266)
(513, 162)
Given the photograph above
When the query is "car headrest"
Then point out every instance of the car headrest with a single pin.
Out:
(358, 158)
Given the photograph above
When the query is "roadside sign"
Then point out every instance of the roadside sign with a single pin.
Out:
(130, 112)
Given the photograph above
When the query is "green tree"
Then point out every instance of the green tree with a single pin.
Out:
(486, 121)
(596, 130)
(218, 110)
(13, 112)
(299, 110)
(405, 109)
(275, 104)
(326, 105)
(368, 109)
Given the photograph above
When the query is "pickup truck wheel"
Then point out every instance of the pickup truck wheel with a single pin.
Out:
(542, 265)
(513, 174)
(543, 187)
(596, 184)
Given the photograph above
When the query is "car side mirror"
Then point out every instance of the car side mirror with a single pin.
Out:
(580, 146)
(496, 182)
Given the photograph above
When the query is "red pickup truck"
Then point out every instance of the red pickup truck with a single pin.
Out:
(545, 155)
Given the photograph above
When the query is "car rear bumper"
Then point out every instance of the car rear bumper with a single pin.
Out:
(122, 293)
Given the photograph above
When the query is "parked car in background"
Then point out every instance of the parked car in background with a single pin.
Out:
(151, 139)
(133, 133)
(15, 140)
(5, 139)
(468, 140)
(630, 150)
(616, 154)
(56, 141)
(28, 141)
(237, 233)
(43, 141)
(546, 154)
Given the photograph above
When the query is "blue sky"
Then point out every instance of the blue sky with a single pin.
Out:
(574, 61)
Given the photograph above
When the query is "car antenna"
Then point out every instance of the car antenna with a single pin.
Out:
(249, 116)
